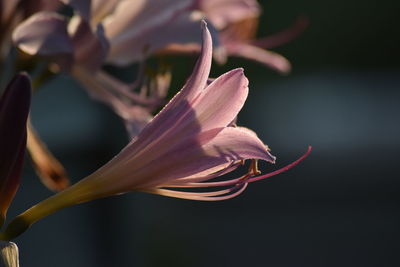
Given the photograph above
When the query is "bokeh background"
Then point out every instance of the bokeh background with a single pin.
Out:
(340, 207)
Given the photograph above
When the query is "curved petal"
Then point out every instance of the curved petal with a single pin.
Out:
(265, 57)
(201, 196)
(102, 8)
(199, 77)
(135, 21)
(164, 122)
(224, 12)
(50, 171)
(44, 33)
(30, 7)
(81, 6)
(221, 101)
(216, 106)
(182, 37)
(200, 154)
(284, 36)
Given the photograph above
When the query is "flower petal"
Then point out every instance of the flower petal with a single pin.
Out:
(14, 109)
(182, 119)
(216, 106)
(225, 12)
(48, 168)
(221, 101)
(284, 36)
(201, 196)
(44, 33)
(134, 21)
(183, 36)
(81, 6)
(30, 7)
(136, 119)
(202, 154)
(90, 47)
(100, 9)
(164, 122)
(265, 57)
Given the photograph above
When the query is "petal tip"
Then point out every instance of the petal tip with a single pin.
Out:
(23, 77)
(203, 24)
(237, 71)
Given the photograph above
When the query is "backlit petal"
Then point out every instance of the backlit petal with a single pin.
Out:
(81, 6)
(284, 36)
(133, 21)
(207, 151)
(101, 9)
(44, 33)
(265, 57)
(224, 12)
(180, 105)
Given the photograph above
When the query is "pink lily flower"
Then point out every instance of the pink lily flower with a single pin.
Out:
(123, 31)
(14, 110)
(190, 142)
(236, 22)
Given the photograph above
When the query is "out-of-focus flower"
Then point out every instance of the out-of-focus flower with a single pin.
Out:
(188, 143)
(131, 29)
(48, 168)
(13, 12)
(14, 110)
(68, 43)
(122, 31)
(237, 23)
(135, 110)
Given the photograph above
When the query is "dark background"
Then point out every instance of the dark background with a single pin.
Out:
(340, 207)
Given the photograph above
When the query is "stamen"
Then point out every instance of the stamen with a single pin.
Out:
(197, 182)
(231, 167)
(287, 167)
(230, 182)
(203, 196)
(253, 170)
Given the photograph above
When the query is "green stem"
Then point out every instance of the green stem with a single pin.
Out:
(23, 221)
(78, 193)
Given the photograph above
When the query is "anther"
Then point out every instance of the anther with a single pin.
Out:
(253, 169)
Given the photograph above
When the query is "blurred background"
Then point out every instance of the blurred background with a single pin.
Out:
(340, 207)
